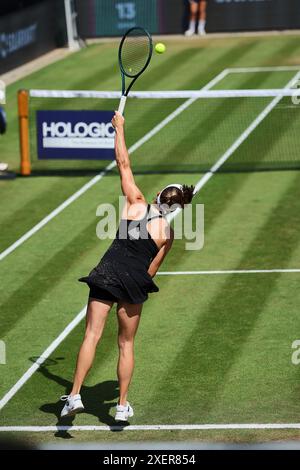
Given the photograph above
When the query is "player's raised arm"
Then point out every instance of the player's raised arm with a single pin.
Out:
(129, 188)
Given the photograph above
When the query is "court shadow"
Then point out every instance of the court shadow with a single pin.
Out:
(97, 399)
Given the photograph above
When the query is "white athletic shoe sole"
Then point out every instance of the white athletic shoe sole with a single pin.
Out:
(123, 413)
(189, 33)
(72, 407)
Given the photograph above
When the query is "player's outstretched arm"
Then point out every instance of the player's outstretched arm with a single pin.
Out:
(129, 188)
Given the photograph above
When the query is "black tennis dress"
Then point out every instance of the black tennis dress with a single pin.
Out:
(122, 273)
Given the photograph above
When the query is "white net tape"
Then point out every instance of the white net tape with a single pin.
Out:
(180, 94)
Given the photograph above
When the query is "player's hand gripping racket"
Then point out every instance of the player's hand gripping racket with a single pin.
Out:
(135, 53)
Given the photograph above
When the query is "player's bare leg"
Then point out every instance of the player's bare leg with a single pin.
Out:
(128, 318)
(193, 18)
(97, 313)
(95, 321)
(202, 18)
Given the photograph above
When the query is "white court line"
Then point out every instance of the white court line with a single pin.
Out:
(234, 271)
(280, 68)
(81, 314)
(209, 174)
(56, 211)
(154, 427)
(43, 357)
(97, 178)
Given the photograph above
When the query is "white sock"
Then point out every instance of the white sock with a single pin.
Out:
(192, 25)
(201, 25)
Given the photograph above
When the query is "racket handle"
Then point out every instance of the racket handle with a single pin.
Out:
(122, 104)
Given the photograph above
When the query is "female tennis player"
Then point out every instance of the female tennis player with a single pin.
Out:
(124, 275)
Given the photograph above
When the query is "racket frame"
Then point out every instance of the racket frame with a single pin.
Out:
(124, 74)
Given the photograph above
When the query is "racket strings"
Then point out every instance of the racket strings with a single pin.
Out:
(135, 53)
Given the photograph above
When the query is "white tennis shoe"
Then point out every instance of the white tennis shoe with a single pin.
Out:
(123, 412)
(3, 166)
(190, 32)
(72, 406)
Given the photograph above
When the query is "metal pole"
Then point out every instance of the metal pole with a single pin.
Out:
(73, 43)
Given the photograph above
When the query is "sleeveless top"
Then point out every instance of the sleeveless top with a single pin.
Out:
(123, 270)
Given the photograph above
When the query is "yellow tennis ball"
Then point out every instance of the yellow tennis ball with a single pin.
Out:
(160, 48)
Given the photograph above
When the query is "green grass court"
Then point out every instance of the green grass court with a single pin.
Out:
(211, 349)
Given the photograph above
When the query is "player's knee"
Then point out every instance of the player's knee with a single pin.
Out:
(125, 343)
(122, 311)
(92, 335)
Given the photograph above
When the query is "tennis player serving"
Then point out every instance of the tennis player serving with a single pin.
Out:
(125, 274)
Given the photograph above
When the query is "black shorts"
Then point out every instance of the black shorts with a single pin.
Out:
(101, 294)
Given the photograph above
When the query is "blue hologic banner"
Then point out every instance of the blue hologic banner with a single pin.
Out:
(75, 135)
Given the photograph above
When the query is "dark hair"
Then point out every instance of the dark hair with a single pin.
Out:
(172, 195)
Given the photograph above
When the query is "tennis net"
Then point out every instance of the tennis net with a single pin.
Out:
(188, 131)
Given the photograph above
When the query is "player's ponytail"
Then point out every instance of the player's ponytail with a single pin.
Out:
(187, 194)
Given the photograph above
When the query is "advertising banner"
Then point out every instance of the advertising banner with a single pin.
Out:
(75, 135)
(28, 34)
(252, 15)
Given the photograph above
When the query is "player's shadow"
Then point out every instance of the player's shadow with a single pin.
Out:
(97, 401)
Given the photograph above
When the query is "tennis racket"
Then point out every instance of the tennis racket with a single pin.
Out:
(135, 53)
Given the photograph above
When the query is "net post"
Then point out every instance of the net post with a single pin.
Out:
(23, 110)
